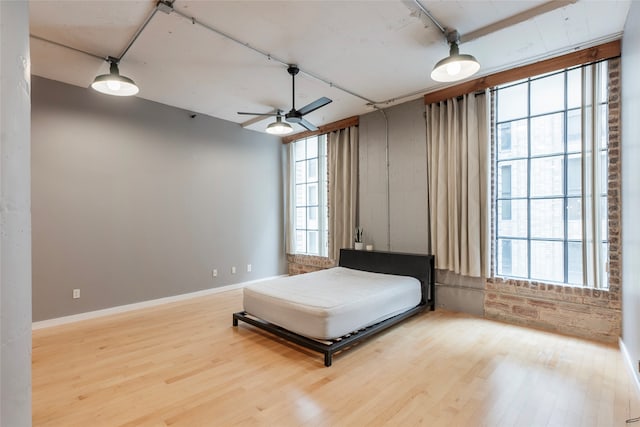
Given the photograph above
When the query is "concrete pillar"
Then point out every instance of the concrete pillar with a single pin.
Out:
(15, 216)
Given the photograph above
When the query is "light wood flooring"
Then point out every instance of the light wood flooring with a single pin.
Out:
(183, 364)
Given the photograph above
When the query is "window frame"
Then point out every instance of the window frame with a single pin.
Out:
(321, 183)
(499, 197)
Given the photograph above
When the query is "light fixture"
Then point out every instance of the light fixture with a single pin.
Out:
(455, 66)
(279, 127)
(113, 83)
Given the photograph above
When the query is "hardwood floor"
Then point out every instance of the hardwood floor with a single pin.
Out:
(183, 364)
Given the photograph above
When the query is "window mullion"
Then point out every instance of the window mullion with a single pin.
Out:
(565, 189)
(529, 179)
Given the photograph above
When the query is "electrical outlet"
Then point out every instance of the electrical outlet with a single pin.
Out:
(214, 272)
(248, 268)
(233, 270)
(76, 293)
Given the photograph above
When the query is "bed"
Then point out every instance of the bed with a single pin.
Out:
(331, 310)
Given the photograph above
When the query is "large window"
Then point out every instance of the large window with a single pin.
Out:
(539, 176)
(311, 234)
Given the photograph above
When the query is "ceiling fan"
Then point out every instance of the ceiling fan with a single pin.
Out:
(296, 116)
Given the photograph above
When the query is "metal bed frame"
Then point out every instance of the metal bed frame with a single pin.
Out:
(415, 265)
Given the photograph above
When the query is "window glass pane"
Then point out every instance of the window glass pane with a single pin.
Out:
(604, 82)
(301, 172)
(312, 170)
(574, 88)
(547, 261)
(301, 191)
(312, 218)
(312, 242)
(574, 175)
(505, 181)
(312, 191)
(603, 133)
(574, 218)
(512, 139)
(514, 224)
(547, 218)
(574, 261)
(512, 258)
(301, 218)
(512, 102)
(505, 257)
(604, 175)
(505, 207)
(574, 131)
(300, 150)
(516, 185)
(312, 147)
(301, 241)
(547, 176)
(604, 218)
(547, 94)
(547, 134)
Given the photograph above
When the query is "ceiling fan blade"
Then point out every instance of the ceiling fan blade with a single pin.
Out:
(257, 114)
(318, 103)
(307, 125)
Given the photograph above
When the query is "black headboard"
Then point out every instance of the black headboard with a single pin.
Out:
(415, 265)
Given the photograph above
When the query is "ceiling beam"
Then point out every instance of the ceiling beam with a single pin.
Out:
(330, 127)
(516, 19)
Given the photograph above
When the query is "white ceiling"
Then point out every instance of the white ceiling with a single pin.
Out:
(380, 50)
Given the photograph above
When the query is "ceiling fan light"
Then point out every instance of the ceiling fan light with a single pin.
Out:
(455, 66)
(114, 84)
(279, 127)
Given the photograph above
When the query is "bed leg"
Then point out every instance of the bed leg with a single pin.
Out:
(327, 359)
(235, 321)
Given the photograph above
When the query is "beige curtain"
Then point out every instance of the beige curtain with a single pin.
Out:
(288, 176)
(593, 253)
(457, 174)
(342, 163)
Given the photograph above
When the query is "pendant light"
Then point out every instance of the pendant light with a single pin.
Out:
(455, 66)
(113, 83)
(279, 127)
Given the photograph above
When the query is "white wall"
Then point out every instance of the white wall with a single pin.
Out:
(134, 200)
(15, 225)
(630, 155)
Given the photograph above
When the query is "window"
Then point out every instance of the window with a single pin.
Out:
(311, 196)
(505, 193)
(539, 161)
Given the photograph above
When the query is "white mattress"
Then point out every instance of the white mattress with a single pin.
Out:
(330, 303)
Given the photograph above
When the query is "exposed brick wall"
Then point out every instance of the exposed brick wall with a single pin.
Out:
(584, 312)
(299, 264)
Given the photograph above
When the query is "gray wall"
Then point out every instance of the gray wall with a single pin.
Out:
(630, 156)
(398, 220)
(134, 200)
(15, 228)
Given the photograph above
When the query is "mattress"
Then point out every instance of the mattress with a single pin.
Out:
(330, 303)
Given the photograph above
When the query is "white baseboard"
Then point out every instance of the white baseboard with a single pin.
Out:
(144, 304)
(630, 365)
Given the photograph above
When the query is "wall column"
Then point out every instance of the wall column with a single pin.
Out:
(15, 216)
